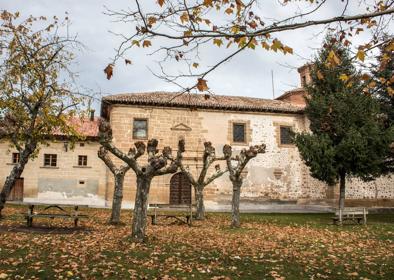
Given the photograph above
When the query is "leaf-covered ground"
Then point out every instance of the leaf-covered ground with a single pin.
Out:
(268, 246)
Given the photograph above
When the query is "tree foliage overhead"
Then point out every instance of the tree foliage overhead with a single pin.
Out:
(179, 31)
(36, 98)
(349, 137)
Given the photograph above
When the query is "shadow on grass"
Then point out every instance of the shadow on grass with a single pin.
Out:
(43, 229)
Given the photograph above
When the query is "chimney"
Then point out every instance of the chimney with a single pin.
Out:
(305, 74)
(92, 115)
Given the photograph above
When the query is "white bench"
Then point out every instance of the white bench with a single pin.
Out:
(355, 214)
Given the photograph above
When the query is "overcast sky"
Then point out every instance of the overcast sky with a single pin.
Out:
(248, 74)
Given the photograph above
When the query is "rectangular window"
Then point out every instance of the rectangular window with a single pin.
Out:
(140, 129)
(239, 132)
(15, 158)
(50, 160)
(82, 160)
(286, 135)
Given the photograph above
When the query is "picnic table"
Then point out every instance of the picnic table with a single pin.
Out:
(180, 212)
(66, 211)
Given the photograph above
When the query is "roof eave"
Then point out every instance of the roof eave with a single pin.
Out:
(106, 103)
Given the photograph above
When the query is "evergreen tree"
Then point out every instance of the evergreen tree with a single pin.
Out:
(383, 75)
(348, 138)
(383, 89)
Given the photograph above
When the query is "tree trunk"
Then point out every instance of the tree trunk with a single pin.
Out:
(235, 220)
(200, 203)
(342, 182)
(140, 208)
(16, 172)
(117, 199)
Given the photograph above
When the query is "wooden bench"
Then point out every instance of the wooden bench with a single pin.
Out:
(177, 212)
(67, 211)
(355, 214)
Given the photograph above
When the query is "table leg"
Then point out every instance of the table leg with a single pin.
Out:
(76, 216)
(30, 216)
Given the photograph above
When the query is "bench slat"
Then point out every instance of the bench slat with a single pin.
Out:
(56, 216)
(351, 213)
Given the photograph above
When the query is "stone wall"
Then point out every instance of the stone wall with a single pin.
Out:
(277, 177)
(65, 183)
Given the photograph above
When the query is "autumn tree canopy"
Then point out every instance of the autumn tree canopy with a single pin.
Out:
(179, 31)
(36, 87)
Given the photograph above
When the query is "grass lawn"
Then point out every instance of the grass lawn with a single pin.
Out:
(268, 246)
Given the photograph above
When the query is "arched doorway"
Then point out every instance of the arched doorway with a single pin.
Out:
(180, 190)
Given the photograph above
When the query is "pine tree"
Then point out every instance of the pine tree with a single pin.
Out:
(348, 138)
(383, 75)
(383, 90)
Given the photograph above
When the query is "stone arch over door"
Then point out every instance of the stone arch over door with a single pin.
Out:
(180, 189)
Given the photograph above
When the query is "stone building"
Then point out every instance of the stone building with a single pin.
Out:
(62, 172)
(277, 179)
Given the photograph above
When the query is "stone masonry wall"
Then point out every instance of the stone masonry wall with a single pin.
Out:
(275, 178)
(67, 183)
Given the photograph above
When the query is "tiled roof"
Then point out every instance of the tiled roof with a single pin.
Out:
(86, 127)
(216, 102)
(290, 92)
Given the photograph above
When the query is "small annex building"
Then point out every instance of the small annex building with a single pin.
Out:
(62, 172)
(275, 180)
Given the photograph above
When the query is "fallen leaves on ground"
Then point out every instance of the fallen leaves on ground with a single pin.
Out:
(261, 249)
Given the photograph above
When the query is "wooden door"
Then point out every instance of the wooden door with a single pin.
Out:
(180, 190)
(17, 191)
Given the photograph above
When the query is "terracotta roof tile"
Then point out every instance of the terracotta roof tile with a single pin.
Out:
(217, 102)
(85, 127)
(290, 92)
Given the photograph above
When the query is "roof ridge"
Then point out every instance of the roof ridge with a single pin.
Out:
(194, 101)
(196, 94)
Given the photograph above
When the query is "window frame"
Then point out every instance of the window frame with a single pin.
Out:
(15, 158)
(146, 128)
(82, 160)
(52, 160)
(280, 136)
(244, 132)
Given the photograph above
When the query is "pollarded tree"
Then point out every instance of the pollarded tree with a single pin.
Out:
(235, 174)
(181, 31)
(348, 137)
(201, 182)
(36, 97)
(157, 166)
(119, 174)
